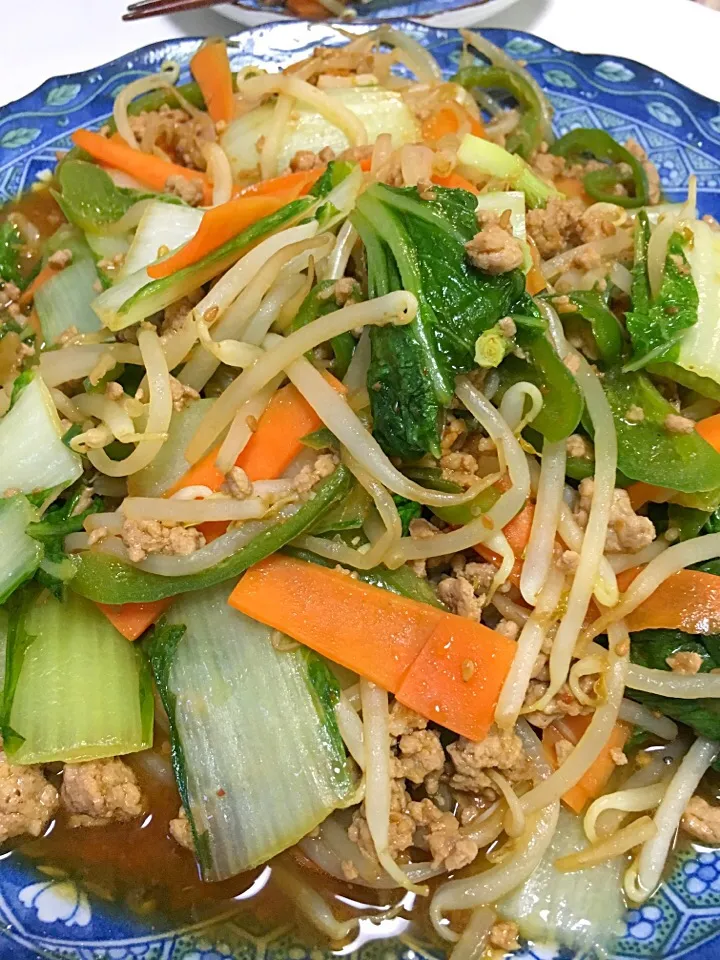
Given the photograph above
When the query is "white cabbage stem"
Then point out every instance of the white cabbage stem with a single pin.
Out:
(330, 108)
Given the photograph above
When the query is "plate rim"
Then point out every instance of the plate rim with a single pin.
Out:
(188, 44)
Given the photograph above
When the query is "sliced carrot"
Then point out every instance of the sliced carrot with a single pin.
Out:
(456, 678)
(40, 280)
(148, 169)
(596, 777)
(307, 9)
(448, 668)
(362, 627)
(572, 187)
(133, 619)
(204, 473)
(292, 185)
(211, 68)
(445, 121)
(641, 493)
(517, 533)
(218, 225)
(535, 281)
(688, 600)
(455, 182)
(272, 447)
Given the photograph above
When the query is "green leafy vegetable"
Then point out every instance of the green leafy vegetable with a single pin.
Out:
(32, 431)
(64, 300)
(418, 245)
(656, 324)
(647, 450)
(408, 510)
(11, 254)
(651, 648)
(320, 301)
(687, 521)
(21, 555)
(108, 580)
(585, 143)
(350, 514)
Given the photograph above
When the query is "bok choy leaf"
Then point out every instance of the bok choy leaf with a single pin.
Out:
(20, 555)
(94, 686)
(419, 245)
(35, 457)
(137, 296)
(63, 301)
(230, 695)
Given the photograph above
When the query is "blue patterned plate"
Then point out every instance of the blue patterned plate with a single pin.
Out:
(45, 912)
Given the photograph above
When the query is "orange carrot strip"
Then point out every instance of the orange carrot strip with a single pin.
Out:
(688, 600)
(218, 225)
(211, 68)
(40, 280)
(204, 473)
(596, 777)
(446, 667)
(293, 185)
(517, 533)
(456, 678)
(307, 9)
(572, 187)
(133, 619)
(445, 121)
(456, 182)
(277, 441)
(360, 626)
(148, 169)
(272, 447)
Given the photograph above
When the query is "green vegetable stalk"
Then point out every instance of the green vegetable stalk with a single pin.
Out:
(105, 579)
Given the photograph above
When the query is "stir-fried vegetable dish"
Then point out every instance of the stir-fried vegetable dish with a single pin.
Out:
(360, 502)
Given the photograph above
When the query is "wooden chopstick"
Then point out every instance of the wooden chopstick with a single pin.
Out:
(156, 8)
